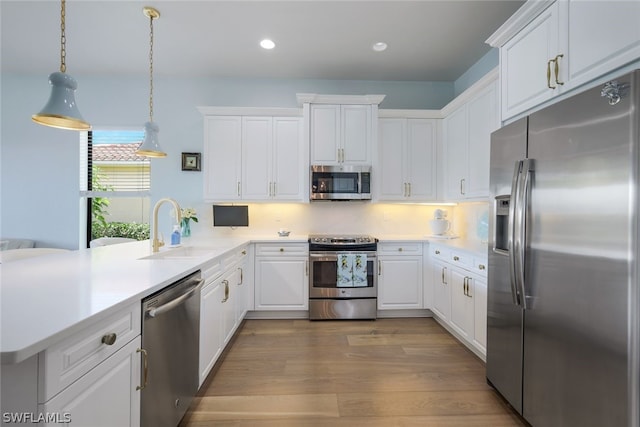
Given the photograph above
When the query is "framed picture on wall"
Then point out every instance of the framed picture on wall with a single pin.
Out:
(190, 161)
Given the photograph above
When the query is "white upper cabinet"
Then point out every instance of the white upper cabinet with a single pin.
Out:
(602, 35)
(222, 157)
(341, 129)
(467, 127)
(272, 158)
(528, 61)
(254, 158)
(549, 48)
(407, 153)
(341, 134)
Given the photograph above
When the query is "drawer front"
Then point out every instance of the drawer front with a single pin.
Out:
(480, 266)
(439, 252)
(212, 270)
(462, 259)
(66, 361)
(400, 248)
(286, 249)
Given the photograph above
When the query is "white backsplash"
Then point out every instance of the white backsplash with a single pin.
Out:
(329, 218)
(470, 220)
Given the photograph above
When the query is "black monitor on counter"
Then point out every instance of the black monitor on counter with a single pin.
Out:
(230, 216)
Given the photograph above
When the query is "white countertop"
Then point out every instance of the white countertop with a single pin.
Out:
(47, 298)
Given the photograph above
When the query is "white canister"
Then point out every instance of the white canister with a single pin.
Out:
(439, 226)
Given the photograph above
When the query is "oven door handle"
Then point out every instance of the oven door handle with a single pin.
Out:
(334, 255)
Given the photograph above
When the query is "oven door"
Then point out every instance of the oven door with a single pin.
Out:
(323, 277)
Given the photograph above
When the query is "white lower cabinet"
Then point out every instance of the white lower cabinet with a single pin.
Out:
(441, 290)
(460, 294)
(90, 378)
(400, 275)
(223, 305)
(281, 276)
(104, 397)
(210, 326)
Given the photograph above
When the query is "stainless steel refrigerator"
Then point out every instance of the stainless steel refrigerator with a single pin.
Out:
(563, 335)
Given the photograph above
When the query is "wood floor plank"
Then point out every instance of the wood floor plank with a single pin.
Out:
(388, 372)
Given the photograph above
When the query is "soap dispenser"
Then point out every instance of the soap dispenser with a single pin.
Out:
(175, 235)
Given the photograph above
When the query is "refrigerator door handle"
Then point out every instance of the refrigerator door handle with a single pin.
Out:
(522, 209)
(511, 237)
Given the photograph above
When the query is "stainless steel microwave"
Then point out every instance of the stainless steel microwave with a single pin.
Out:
(346, 182)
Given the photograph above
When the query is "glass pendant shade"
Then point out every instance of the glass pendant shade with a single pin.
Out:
(61, 110)
(150, 146)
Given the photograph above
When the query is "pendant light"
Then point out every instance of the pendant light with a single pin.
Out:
(61, 111)
(150, 146)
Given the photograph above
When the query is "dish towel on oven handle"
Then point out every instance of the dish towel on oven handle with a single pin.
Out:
(360, 270)
(345, 270)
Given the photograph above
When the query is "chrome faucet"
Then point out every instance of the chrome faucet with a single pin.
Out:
(155, 243)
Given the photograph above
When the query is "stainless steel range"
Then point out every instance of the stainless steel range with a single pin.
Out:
(343, 280)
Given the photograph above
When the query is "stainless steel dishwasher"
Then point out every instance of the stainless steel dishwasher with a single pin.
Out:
(170, 342)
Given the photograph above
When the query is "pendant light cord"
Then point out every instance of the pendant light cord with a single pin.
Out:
(63, 38)
(151, 69)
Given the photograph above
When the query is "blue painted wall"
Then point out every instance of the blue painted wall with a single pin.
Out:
(39, 167)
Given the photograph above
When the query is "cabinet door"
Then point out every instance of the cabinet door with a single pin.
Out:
(480, 313)
(290, 169)
(400, 282)
(210, 326)
(325, 133)
(461, 303)
(523, 64)
(596, 48)
(106, 395)
(482, 116)
(391, 152)
(441, 291)
(222, 158)
(356, 134)
(421, 159)
(256, 157)
(228, 307)
(281, 283)
(455, 153)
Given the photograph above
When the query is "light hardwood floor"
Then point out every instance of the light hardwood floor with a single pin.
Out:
(387, 372)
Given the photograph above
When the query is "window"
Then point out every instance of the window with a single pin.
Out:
(114, 185)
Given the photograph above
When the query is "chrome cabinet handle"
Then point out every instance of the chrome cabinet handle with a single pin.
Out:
(399, 249)
(145, 371)
(238, 188)
(549, 74)
(109, 339)
(281, 249)
(437, 252)
(380, 268)
(444, 270)
(241, 276)
(482, 267)
(462, 182)
(244, 252)
(456, 258)
(226, 291)
(557, 68)
(306, 268)
(409, 194)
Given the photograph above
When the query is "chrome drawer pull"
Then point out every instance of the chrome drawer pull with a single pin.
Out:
(146, 368)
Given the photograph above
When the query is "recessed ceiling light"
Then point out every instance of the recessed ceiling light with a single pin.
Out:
(267, 44)
(379, 46)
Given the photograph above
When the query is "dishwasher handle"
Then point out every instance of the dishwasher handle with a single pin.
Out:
(155, 311)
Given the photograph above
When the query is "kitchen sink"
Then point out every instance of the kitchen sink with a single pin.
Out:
(180, 253)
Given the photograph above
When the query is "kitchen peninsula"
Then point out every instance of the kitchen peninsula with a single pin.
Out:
(85, 293)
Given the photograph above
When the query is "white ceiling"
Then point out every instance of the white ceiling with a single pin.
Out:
(428, 40)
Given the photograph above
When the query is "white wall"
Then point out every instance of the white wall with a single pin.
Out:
(39, 165)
